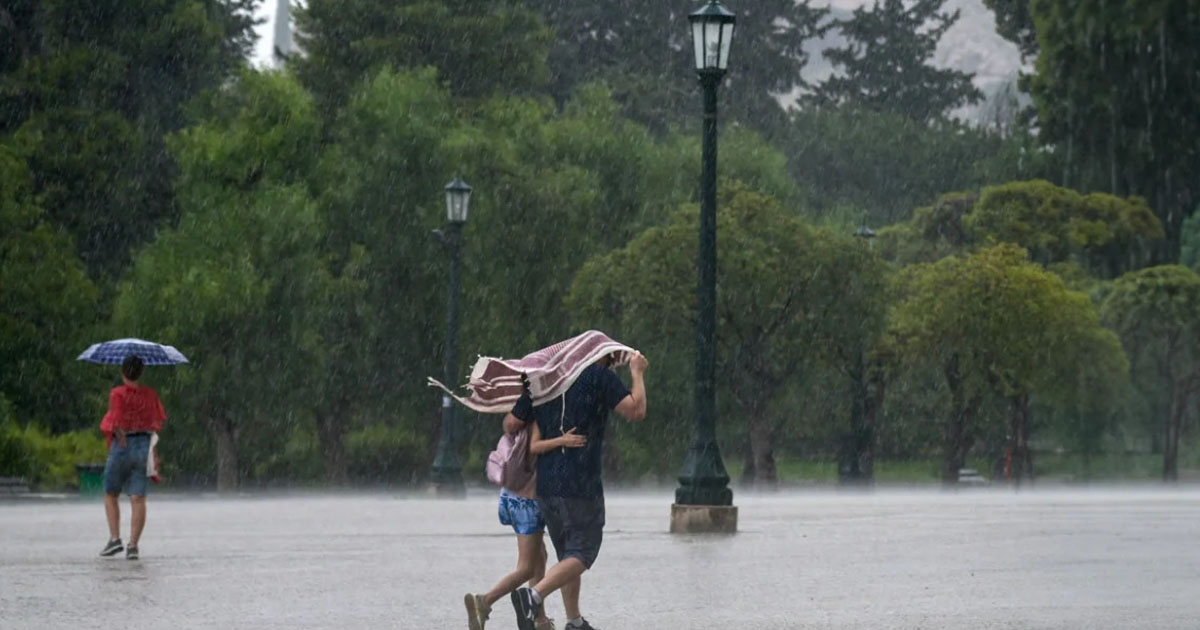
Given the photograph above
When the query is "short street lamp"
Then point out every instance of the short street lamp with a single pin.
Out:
(447, 470)
(703, 500)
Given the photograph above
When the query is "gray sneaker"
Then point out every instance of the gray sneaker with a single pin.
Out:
(113, 548)
(477, 611)
(548, 624)
(131, 553)
(582, 625)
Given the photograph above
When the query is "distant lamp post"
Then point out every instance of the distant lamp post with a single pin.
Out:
(856, 465)
(447, 470)
(866, 234)
(703, 500)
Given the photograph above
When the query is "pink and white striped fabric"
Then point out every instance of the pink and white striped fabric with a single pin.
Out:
(495, 383)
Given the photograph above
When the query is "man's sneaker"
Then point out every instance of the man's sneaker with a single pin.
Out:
(526, 608)
(113, 548)
(548, 624)
(582, 625)
(131, 553)
(477, 611)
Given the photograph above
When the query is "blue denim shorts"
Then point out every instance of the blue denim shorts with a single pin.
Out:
(126, 466)
(522, 514)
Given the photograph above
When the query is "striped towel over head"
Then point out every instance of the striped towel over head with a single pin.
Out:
(495, 383)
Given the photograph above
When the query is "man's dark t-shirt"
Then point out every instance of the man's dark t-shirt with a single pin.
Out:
(574, 472)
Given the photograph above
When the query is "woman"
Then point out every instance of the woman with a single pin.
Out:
(520, 511)
(134, 414)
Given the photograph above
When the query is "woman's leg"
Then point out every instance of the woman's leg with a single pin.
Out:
(113, 482)
(112, 510)
(527, 550)
(138, 519)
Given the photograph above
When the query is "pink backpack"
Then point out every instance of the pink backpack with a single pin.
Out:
(510, 466)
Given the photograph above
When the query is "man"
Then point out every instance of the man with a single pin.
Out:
(569, 486)
(134, 413)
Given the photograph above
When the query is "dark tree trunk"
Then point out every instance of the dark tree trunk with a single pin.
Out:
(1018, 439)
(332, 426)
(762, 447)
(876, 391)
(955, 443)
(856, 465)
(225, 438)
(1174, 421)
(747, 480)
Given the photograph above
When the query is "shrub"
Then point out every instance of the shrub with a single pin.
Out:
(381, 453)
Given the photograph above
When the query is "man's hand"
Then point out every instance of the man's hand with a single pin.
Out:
(633, 406)
(638, 363)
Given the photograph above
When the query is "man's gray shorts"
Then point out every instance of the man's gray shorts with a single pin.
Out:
(576, 526)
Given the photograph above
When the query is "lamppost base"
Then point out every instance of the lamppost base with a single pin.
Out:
(447, 485)
(703, 519)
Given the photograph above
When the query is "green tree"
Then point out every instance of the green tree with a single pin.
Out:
(380, 194)
(789, 295)
(1155, 312)
(881, 165)
(94, 92)
(644, 51)
(1104, 234)
(997, 325)
(1116, 97)
(478, 48)
(47, 310)
(1189, 254)
(884, 66)
(1014, 22)
(237, 283)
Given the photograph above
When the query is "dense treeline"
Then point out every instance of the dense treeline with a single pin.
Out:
(1032, 287)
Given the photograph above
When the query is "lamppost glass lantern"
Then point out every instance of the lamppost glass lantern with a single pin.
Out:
(865, 232)
(458, 198)
(712, 34)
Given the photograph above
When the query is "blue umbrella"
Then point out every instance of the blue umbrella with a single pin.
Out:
(114, 352)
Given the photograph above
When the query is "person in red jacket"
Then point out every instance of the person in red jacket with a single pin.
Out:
(134, 414)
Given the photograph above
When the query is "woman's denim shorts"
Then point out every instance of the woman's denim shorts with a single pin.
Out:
(522, 514)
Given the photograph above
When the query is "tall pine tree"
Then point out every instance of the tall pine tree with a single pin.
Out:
(884, 66)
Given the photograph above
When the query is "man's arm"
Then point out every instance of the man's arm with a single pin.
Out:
(633, 406)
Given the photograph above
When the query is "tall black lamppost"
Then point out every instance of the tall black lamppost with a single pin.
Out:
(447, 470)
(856, 465)
(703, 481)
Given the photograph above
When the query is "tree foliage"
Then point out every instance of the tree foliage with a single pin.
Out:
(1116, 95)
(997, 325)
(91, 94)
(788, 296)
(1155, 311)
(882, 165)
(1014, 22)
(644, 51)
(47, 310)
(234, 284)
(884, 66)
(478, 48)
(1105, 234)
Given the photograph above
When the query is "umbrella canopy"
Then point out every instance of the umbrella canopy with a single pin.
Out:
(114, 352)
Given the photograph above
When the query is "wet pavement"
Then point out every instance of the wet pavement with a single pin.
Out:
(989, 559)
